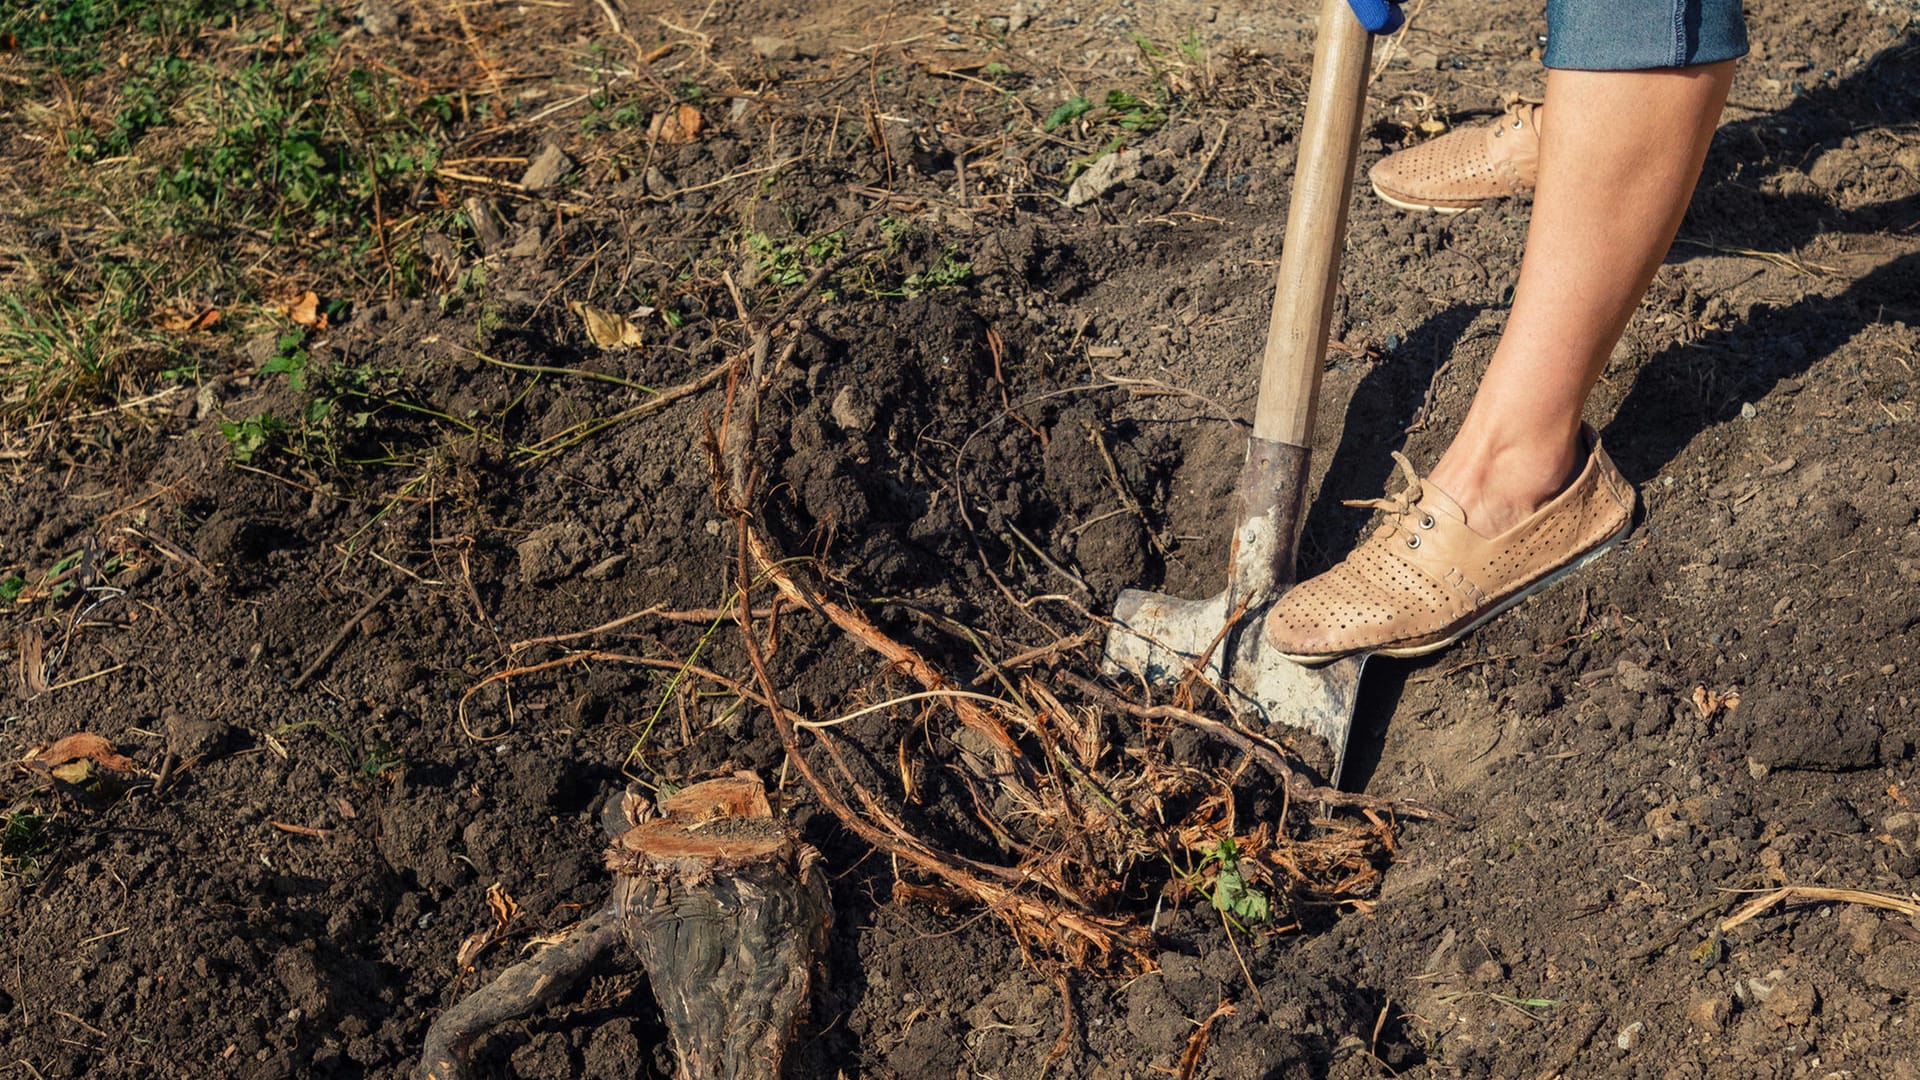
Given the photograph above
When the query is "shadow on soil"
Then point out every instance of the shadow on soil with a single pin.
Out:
(1685, 389)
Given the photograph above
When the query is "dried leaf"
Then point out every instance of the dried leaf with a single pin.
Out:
(678, 125)
(1706, 703)
(83, 746)
(472, 947)
(76, 773)
(304, 310)
(174, 322)
(505, 908)
(606, 329)
(1432, 127)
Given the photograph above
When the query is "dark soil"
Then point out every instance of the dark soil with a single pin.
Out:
(1724, 704)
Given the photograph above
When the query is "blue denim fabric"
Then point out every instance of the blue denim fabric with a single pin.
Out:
(1632, 35)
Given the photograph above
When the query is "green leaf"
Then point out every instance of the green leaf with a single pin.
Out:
(1232, 895)
(1066, 112)
(12, 586)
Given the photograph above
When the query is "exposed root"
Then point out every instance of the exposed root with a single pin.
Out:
(521, 990)
(1077, 821)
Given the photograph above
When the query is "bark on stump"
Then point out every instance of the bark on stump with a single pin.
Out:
(728, 912)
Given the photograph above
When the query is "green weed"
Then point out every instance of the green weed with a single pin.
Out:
(1232, 894)
(24, 841)
(253, 437)
(793, 261)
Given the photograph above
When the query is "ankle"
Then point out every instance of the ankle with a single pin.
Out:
(1499, 481)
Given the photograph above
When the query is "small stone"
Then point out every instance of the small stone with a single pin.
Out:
(488, 226)
(1762, 988)
(1889, 669)
(1629, 1037)
(1790, 1005)
(775, 49)
(1106, 174)
(1709, 1012)
(549, 167)
(551, 552)
(196, 736)
(852, 412)
(1017, 18)
(1632, 676)
(1894, 968)
(657, 182)
(377, 17)
(1667, 826)
(527, 244)
(1748, 412)
(605, 568)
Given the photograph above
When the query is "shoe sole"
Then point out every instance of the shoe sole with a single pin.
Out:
(1407, 651)
(1446, 211)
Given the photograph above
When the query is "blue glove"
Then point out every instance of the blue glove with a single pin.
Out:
(1378, 16)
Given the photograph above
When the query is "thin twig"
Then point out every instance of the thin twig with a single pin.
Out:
(346, 631)
(1298, 787)
(1219, 140)
(1810, 893)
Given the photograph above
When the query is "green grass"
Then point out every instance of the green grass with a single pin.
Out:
(24, 841)
(202, 155)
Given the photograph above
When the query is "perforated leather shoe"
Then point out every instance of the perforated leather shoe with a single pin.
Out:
(1464, 168)
(1424, 579)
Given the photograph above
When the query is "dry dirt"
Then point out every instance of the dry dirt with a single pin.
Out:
(1723, 705)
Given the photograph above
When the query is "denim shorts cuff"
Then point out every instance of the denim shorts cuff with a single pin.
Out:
(1636, 35)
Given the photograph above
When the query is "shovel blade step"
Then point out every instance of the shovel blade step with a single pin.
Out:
(1160, 638)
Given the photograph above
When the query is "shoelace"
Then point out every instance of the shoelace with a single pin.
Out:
(1397, 507)
(1520, 112)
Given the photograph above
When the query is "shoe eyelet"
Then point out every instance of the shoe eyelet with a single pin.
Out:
(1413, 542)
(1427, 522)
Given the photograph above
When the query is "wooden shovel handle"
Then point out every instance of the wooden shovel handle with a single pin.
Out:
(1309, 274)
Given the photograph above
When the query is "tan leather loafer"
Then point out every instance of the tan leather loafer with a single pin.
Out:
(1424, 579)
(1464, 168)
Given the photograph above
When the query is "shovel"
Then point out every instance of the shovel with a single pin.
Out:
(1164, 638)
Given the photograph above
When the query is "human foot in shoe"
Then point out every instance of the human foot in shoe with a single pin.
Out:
(1466, 167)
(1425, 578)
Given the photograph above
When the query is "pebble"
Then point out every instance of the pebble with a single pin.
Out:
(548, 168)
(775, 48)
(488, 226)
(1748, 412)
(377, 17)
(1790, 1005)
(1709, 1012)
(852, 412)
(1629, 1037)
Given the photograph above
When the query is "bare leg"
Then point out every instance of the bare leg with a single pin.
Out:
(1617, 168)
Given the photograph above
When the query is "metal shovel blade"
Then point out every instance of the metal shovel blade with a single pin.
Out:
(1161, 638)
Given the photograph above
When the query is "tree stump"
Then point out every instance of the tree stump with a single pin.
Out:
(728, 912)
